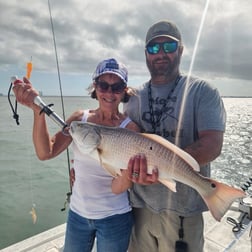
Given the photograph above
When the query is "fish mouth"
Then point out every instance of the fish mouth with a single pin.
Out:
(72, 127)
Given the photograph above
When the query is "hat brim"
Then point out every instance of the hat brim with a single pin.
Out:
(162, 35)
(111, 72)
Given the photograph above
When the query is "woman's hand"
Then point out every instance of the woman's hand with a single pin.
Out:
(137, 170)
(25, 93)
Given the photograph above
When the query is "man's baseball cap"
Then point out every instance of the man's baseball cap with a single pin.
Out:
(163, 28)
(111, 66)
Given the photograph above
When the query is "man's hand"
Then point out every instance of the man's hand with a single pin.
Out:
(137, 168)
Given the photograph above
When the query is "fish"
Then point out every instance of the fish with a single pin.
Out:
(113, 147)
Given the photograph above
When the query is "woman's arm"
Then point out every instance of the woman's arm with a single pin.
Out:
(49, 147)
(46, 146)
(121, 183)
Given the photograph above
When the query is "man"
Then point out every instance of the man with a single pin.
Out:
(188, 112)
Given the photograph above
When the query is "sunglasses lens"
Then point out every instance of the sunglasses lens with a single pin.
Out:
(170, 47)
(102, 86)
(116, 88)
(153, 48)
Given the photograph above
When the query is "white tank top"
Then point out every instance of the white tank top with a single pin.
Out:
(92, 197)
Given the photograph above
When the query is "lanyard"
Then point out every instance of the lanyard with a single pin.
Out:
(154, 122)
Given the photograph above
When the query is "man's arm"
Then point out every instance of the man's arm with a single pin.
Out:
(207, 147)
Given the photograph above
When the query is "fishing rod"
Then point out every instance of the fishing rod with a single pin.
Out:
(44, 108)
(68, 194)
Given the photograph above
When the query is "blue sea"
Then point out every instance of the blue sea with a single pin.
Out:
(26, 182)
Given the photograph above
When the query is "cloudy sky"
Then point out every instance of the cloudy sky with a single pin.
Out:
(88, 31)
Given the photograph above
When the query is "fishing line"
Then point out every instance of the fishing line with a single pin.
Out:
(33, 208)
(196, 44)
(16, 117)
(62, 101)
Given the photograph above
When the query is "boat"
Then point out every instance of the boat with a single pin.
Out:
(231, 234)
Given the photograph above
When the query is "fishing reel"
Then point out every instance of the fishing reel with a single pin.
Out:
(245, 205)
(246, 185)
(245, 216)
(245, 209)
(67, 201)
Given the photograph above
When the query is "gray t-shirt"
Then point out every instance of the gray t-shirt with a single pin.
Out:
(201, 109)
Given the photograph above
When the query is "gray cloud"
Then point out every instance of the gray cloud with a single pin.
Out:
(88, 31)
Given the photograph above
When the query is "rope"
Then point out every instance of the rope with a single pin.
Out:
(14, 110)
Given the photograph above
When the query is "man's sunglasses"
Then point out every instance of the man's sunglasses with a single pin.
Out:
(116, 88)
(168, 47)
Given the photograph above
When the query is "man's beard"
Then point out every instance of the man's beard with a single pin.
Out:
(164, 69)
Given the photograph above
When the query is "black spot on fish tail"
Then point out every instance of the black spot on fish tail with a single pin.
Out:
(213, 185)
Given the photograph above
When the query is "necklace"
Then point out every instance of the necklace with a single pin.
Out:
(154, 122)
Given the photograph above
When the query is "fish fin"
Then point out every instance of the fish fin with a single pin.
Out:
(221, 198)
(107, 166)
(171, 184)
(175, 149)
(110, 169)
(95, 154)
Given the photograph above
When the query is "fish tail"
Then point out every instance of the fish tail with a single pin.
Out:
(221, 198)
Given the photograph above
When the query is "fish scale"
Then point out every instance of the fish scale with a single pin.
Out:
(109, 139)
(156, 153)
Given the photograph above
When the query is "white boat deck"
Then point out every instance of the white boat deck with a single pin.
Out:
(218, 236)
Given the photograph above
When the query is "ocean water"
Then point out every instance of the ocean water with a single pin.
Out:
(26, 182)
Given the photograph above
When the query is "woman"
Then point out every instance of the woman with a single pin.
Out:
(96, 211)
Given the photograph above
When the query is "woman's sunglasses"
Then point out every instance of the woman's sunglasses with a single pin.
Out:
(168, 47)
(116, 88)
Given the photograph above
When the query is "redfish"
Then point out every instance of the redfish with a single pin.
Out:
(113, 147)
